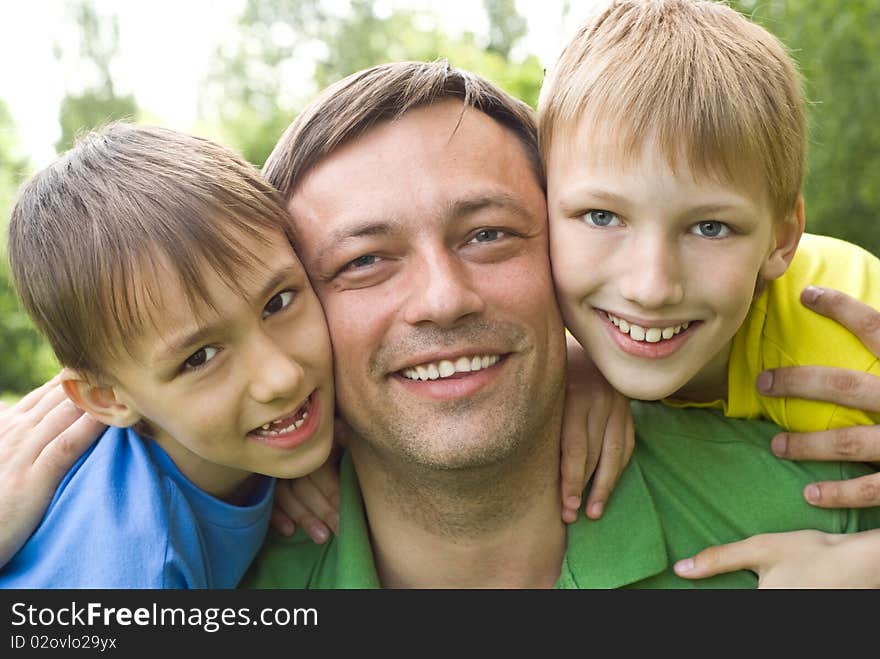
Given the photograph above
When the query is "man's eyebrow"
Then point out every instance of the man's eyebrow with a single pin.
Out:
(477, 203)
(360, 229)
(395, 226)
(195, 337)
(365, 228)
(392, 226)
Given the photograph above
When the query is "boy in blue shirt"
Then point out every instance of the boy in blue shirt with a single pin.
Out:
(160, 268)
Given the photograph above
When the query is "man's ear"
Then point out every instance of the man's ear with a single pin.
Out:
(787, 236)
(99, 400)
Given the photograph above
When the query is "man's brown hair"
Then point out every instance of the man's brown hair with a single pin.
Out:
(716, 91)
(386, 92)
(89, 233)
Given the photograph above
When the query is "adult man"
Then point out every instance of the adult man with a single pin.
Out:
(425, 239)
(416, 192)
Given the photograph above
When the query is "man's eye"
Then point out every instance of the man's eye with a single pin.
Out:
(601, 218)
(199, 358)
(711, 229)
(487, 236)
(361, 262)
(278, 302)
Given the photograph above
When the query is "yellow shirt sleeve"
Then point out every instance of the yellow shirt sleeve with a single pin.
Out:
(779, 331)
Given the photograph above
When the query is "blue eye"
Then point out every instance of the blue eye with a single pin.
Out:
(199, 358)
(601, 218)
(486, 236)
(711, 229)
(362, 262)
(277, 303)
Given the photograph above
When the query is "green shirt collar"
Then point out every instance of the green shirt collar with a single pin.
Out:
(622, 548)
(354, 564)
(625, 546)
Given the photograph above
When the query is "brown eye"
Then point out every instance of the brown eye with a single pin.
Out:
(277, 303)
(199, 358)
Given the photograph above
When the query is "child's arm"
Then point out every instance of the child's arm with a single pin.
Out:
(41, 437)
(853, 389)
(597, 434)
(811, 558)
(797, 559)
(312, 501)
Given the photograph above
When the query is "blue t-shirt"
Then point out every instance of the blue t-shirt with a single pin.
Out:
(126, 517)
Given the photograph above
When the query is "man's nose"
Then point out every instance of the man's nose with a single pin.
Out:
(273, 373)
(442, 291)
(652, 274)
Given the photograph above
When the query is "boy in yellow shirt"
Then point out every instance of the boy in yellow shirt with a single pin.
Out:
(674, 136)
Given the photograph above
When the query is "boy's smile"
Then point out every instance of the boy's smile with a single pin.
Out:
(238, 385)
(645, 338)
(655, 266)
(291, 429)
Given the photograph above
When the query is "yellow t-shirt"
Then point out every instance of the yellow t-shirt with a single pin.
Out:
(780, 331)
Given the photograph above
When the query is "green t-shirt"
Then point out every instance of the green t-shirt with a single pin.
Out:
(695, 479)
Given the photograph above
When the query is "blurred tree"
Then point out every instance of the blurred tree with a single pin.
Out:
(98, 103)
(838, 50)
(26, 358)
(250, 91)
(506, 26)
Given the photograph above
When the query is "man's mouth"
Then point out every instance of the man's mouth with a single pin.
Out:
(647, 334)
(287, 423)
(447, 368)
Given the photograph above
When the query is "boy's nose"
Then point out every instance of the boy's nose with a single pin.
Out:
(274, 374)
(653, 276)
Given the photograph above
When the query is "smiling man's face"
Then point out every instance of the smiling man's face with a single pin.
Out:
(427, 246)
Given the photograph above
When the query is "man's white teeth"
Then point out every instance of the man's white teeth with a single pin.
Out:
(446, 368)
(649, 334)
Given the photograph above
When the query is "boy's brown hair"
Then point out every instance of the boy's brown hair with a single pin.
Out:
(89, 233)
(716, 91)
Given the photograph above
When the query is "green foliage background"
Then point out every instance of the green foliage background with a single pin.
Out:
(837, 46)
(245, 103)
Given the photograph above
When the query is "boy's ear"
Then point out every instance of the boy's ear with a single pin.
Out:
(788, 235)
(99, 400)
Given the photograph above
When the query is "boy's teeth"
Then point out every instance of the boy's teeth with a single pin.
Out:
(446, 368)
(649, 334)
(292, 425)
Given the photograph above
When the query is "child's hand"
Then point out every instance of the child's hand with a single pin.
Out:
(312, 502)
(796, 559)
(597, 429)
(41, 437)
(854, 389)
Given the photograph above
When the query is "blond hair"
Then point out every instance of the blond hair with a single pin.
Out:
(716, 91)
(89, 234)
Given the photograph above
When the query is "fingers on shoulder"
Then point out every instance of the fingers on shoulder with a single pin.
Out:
(860, 318)
(862, 492)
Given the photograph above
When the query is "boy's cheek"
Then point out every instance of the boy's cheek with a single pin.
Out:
(572, 258)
